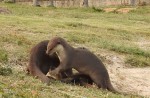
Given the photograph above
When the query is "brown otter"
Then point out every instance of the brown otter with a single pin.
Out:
(82, 60)
(40, 62)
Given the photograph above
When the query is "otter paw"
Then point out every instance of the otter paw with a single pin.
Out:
(53, 75)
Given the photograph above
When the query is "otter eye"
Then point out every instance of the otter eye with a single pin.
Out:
(58, 42)
(50, 49)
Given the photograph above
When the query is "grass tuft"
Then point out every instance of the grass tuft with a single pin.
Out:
(8, 1)
(4, 71)
(97, 9)
(3, 56)
(138, 61)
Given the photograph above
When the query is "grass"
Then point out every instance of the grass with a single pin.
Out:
(3, 56)
(25, 26)
(137, 61)
(20, 87)
(5, 71)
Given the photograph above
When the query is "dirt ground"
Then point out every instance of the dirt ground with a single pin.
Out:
(121, 10)
(125, 79)
(4, 10)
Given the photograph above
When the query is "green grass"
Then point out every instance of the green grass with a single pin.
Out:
(138, 61)
(3, 56)
(5, 71)
(90, 27)
(23, 86)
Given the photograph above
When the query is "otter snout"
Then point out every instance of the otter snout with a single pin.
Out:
(48, 51)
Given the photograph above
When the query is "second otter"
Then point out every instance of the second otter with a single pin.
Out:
(82, 60)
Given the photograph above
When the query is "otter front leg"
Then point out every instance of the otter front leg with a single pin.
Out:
(52, 74)
(56, 73)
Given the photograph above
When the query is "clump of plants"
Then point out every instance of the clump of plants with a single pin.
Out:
(3, 56)
(8, 1)
(5, 71)
(138, 61)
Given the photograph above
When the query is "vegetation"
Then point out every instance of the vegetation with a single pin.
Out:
(125, 34)
(3, 56)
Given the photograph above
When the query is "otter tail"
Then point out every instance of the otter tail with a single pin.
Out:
(110, 87)
(37, 72)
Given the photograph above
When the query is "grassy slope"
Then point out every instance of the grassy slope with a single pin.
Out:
(27, 25)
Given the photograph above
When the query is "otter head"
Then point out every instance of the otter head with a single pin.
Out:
(54, 45)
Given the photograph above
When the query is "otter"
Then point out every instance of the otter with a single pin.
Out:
(40, 62)
(82, 60)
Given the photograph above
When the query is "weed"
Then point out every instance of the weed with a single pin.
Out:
(8, 1)
(5, 71)
(138, 61)
(97, 9)
(3, 56)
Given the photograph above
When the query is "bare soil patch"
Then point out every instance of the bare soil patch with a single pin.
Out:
(4, 11)
(129, 80)
(144, 44)
(125, 10)
(121, 10)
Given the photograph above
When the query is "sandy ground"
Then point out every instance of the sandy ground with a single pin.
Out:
(129, 80)
(121, 10)
(4, 10)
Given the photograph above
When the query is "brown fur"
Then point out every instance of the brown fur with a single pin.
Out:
(78, 79)
(40, 62)
(82, 60)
